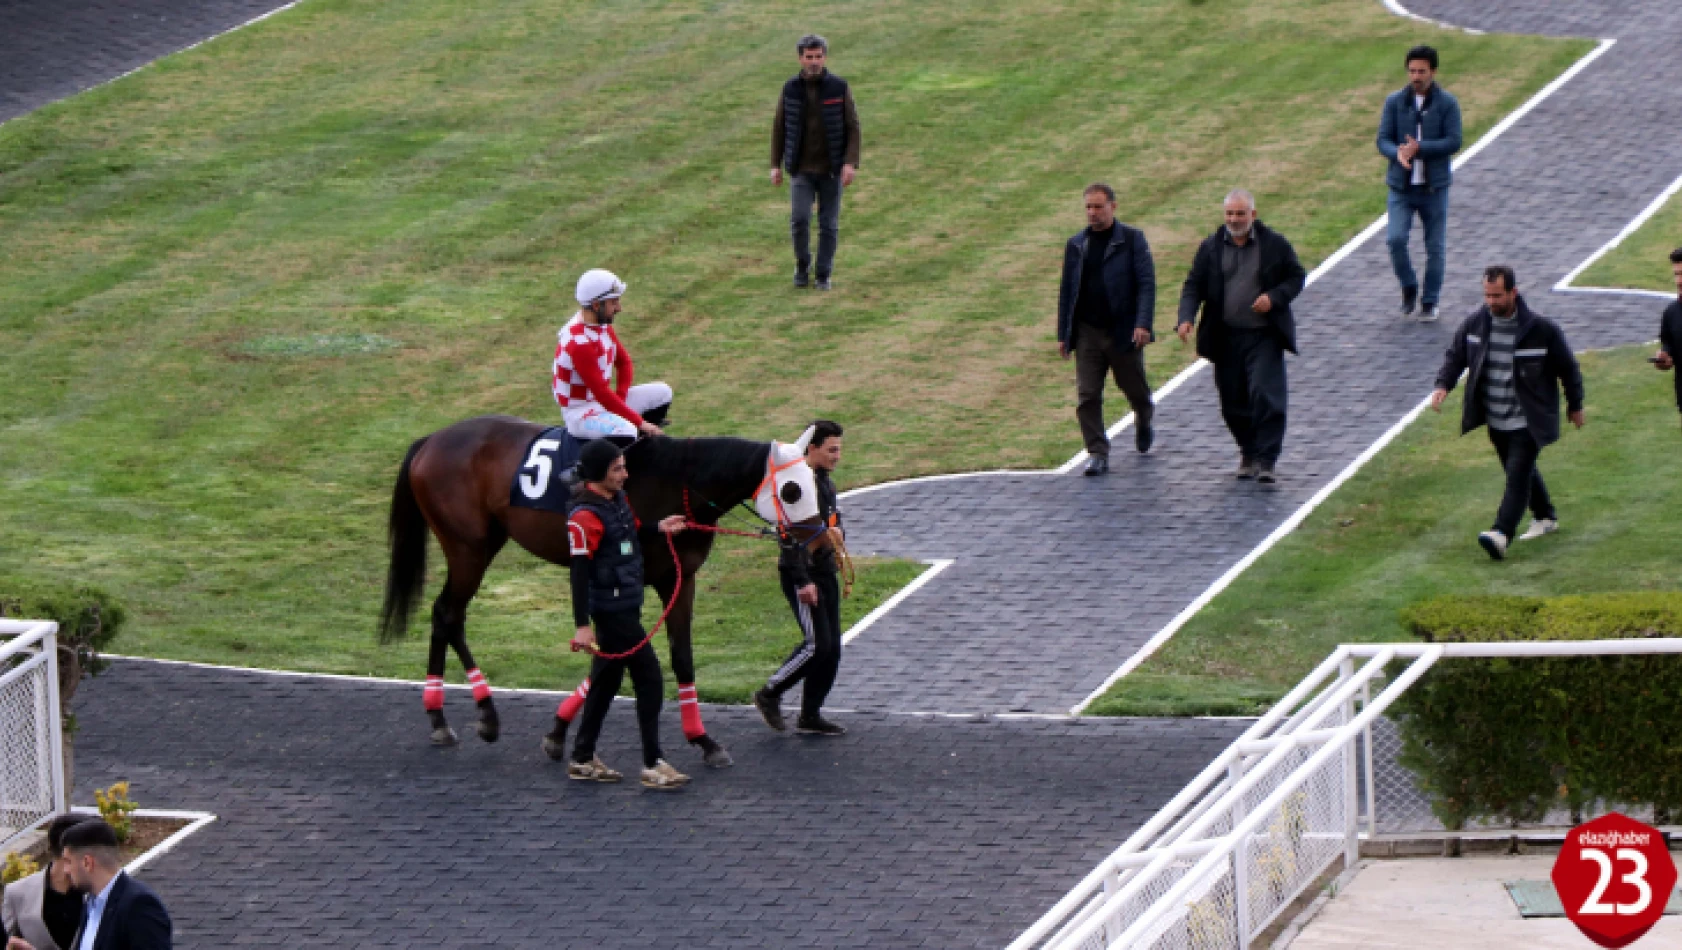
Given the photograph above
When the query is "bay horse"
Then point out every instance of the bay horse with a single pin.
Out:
(458, 481)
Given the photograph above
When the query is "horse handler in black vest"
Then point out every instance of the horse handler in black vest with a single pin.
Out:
(815, 137)
(607, 607)
(808, 569)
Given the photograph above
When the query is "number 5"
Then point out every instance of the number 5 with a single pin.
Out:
(533, 486)
(1638, 878)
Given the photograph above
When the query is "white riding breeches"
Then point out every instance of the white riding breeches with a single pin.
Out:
(588, 420)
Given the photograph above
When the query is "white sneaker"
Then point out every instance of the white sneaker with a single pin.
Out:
(1539, 527)
(1495, 543)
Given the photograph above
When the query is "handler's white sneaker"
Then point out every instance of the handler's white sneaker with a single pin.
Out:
(1539, 527)
(1495, 543)
(663, 776)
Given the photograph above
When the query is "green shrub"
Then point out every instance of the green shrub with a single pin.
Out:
(1505, 740)
(88, 618)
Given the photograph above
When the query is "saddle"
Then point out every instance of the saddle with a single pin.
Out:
(546, 480)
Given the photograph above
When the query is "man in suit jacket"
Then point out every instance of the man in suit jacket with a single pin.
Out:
(1244, 278)
(121, 913)
(1106, 312)
(44, 908)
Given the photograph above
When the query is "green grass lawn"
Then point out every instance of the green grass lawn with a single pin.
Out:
(239, 282)
(1405, 529)
(1642, 261)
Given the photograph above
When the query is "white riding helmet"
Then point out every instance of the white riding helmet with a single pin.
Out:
(597, 285)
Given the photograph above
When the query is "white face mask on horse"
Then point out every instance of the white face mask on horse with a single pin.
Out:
(789, 493)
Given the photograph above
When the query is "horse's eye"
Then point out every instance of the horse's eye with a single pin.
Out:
(790, 492)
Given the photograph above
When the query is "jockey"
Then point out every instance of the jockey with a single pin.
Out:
(587, 352)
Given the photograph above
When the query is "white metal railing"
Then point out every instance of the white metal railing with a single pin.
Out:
(1227, 855)
(31, 733)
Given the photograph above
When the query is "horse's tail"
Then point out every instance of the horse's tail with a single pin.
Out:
(406, 578)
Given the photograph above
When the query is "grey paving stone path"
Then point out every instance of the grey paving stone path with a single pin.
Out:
(1058, 580)
(339, 826)
(50, 49)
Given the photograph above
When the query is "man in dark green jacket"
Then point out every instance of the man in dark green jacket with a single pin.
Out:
(1106, 314)
(1244, 278)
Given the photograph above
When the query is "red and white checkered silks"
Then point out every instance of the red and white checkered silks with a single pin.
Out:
(580, 341)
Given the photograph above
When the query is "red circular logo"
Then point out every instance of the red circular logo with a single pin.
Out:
(1614, 876)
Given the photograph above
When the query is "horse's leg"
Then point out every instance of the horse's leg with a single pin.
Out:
(468, 563)
(678, 623)
(433, 695)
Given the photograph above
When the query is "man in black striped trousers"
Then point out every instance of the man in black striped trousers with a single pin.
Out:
(808, 567)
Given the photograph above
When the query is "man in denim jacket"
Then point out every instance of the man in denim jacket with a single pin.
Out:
(1419, 133)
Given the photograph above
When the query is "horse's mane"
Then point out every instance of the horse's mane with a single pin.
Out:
(702, 461)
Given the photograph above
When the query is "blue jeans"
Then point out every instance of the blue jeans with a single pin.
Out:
(1432, 208)
(827, 190)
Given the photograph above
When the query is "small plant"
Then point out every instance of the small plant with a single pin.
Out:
(18, 866)
(116, 808)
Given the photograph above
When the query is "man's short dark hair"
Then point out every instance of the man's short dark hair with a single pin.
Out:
(93, 837)
(1099, 186)
(56, 829)
(812, 41)
(1427, 53)
(1676, 256)
(1502, 273)
(823, 430)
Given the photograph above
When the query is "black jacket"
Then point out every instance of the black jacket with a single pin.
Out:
(798, 560)
(1542, 360)
(134, 919)
(1670, 340)
(1280, 272)
(1129, 280)
(611, 579)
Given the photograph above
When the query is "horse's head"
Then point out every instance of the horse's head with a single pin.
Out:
(789, 492)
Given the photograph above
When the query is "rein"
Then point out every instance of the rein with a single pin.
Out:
(671, 545)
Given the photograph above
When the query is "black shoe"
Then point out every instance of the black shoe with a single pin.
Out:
(1429, 314)
(770, 709)
(800, 278)
(1410, 296)
(1097, 465)
(1143, 437)
(823, 283)
(1246, 468)
(817, 726)
(1264, 473)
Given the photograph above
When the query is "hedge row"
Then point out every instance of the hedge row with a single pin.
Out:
(88, 618)
(1506, 740)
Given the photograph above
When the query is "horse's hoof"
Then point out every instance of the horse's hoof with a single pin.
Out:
(443, 736)
(489, 731)
(556, 750)
(718, 758)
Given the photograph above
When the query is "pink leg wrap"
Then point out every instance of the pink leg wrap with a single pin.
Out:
(572, 704)
(690, 710)
(432, 697)
(481, 689)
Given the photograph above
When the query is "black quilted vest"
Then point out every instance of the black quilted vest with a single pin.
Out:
(832, 96)
(616, 570)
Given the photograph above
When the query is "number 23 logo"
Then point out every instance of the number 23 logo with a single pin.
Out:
(1637, 877)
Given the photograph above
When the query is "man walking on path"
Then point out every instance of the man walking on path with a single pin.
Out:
(607, 584)
(807, 567)
(815, 138)
(1670, 328)
(1106, 316)
(1419, 133)
(1244, 277)
(1515, 360)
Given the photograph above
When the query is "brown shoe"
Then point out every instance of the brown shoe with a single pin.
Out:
(662, 776)
(594, 770)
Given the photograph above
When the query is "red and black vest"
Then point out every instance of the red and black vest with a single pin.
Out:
(616, 568)
(832, 98)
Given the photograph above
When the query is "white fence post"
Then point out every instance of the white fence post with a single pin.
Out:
(31, 734)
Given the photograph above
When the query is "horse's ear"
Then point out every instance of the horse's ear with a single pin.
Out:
(804, 440)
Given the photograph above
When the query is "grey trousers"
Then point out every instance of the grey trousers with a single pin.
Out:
(826, 189)
(1096, 356)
